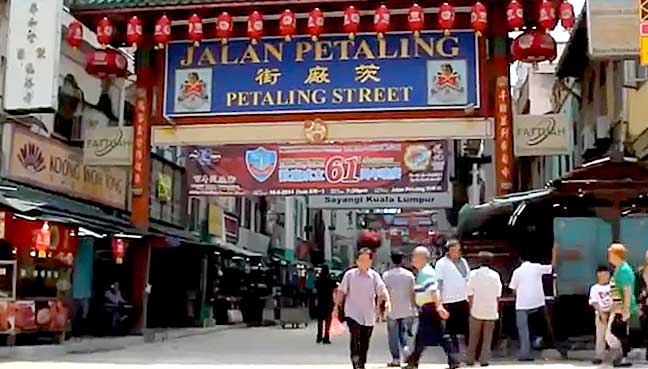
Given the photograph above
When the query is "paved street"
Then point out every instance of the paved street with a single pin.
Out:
(241, 348)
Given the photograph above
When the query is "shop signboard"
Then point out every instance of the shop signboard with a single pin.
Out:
(108, 146)
(33, 51)
(57, 167)
(215, 225)
(538, 135)
(333, 169)
(613, 28)
(333, 74)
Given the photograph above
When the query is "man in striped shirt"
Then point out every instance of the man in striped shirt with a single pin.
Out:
(431, 311)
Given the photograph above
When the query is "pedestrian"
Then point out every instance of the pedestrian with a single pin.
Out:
(324, 285)
(357, 295)
(527, 284)
(641, 294)
(452, 272)
(624, 304)
(432, 314)
(400, 284)
(601, 301)
(484, 291)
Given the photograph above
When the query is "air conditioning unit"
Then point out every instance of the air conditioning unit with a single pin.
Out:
(635, 73)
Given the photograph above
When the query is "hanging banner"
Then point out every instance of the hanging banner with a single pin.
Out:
(333, 74)
(538, 135)
(503, 137)
(613, 29)
(342, 169)
(429, 200)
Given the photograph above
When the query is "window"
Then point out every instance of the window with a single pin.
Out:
(194, 213)
(247, 218)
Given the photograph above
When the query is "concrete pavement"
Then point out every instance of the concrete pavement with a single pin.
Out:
(270, 347)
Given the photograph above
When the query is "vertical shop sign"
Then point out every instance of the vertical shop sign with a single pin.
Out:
(643, 32)
(504, 147)
(32, 55)
(139, 145)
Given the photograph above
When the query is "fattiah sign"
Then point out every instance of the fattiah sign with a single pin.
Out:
(332, 74)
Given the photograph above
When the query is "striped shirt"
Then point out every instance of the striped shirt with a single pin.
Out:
(426, 284)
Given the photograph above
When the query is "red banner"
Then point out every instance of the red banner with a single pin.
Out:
(354, 168)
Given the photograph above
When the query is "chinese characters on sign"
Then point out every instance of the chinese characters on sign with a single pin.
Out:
(504, 147)
(140, 142)
(331, 74)
(354, 168)
(33, 49)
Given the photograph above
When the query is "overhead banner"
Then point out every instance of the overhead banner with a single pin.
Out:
(542, 135)
(613, 28)
(379, 201)
(342, 169)
(333, 74)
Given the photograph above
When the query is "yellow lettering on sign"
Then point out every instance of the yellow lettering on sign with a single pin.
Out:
(275, 50)
(421, 44)
(383, 53)
(318, 75)
(225, 60)
(207, 58)
(302, 48)
(323, 51)
(364, 49)
(450, 42)
(188, 59)
(250, 55)
(343, 46)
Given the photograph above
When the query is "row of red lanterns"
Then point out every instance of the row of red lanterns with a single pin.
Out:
(287, 25)
(547, 18)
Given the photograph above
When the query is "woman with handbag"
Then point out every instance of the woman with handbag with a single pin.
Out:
(356, 302)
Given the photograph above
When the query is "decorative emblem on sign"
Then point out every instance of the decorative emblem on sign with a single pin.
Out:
(193, 92)
(315, 131)
(448, 84)
(31, 158)
(417, 158)
(261, 163)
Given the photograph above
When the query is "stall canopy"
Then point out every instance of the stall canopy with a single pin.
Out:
(31, 202)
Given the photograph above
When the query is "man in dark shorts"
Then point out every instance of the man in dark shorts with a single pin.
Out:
(453, 273)
(431, 311)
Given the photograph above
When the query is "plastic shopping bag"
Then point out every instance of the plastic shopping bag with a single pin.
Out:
(337, 327)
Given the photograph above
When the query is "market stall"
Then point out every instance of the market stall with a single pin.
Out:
(35, 277)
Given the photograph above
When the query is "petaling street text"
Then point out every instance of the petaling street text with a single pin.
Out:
(319, 96)
(321, 51)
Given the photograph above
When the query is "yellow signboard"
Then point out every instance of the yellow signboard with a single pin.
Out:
(215, 225)
(57, 167)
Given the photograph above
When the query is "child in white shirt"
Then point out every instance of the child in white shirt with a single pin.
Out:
(601, 300)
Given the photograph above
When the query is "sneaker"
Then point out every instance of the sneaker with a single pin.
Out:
(319, 340)
(484, 364)
(526, 359)
(623, 363)
(597, 361)
(326, 341)
(394, 364)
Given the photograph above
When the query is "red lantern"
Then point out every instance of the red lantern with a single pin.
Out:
(479, 18)
(255, 27)
(547, 17)
(370, 239)
(351, 21)
(106, 63)
(287, 24)
(381, 21)
(119, 250)
(43, 240)
(315, 24)
(534, 46)
(75, 34)
(416, 19)
(567, 18)
(134, 32)
(105, 31)
(162, 34)
(224, 27)
(446, 17)
(515, 15)
(195, 29)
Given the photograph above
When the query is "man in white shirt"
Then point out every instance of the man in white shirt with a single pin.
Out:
(400, 284)
(452, 271)
(529, 299)
(484, 291)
